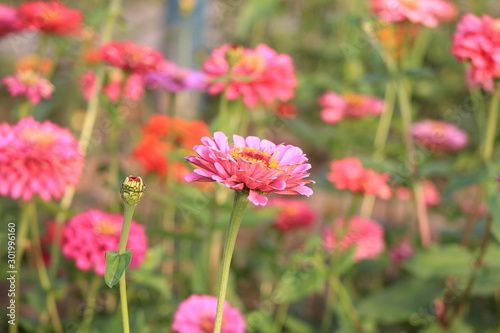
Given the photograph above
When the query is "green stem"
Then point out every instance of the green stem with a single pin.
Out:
(239, 205)
(281, 316)
(90, 302)
(345, 302)
(326, 321)
(491, 126)
(85, 135)
(127, 219)
(385, 121)
(24, 109)
(172, 104)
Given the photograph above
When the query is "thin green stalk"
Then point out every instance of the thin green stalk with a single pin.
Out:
(42, 270)
(172, 104)
(489, 140)
(24, 109)
(85, 136)
(239, 206)
(90, 303)
(346, 302)
(326, 321)
(281, 316)
(384, 123)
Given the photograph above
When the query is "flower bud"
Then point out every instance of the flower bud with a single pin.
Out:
(132, 190)
(234, 54)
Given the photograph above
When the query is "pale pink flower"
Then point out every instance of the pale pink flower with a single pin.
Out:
(349, 174)
(431, 193)
(477, 40)
(251, 164)
(259, 75)
(293, 214)
(196, 314)
(132, 88)
(439, 135)
(335, 107)
(366, 235)
(400, 252)
(38, 158)
(89, 235)
(29, 84)
(8, 16)
(426, 12)
(175, 79)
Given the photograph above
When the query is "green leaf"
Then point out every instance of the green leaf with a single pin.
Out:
(397, 302)
(116, 264)
(440, 262)
(458, 326)
(298, 283)
(460, 181)
(296, 325)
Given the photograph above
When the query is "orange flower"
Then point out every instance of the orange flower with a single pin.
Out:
(33, 63)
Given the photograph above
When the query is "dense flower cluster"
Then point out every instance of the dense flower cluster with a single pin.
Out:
(477, 40)
(88, 235)
(426, 12)
(335, 107)
(366, 235)
(293, 214)
(349, 174)
(197, 315)
(37, 158)
(259, 75)
(251, 164)
(439, 135)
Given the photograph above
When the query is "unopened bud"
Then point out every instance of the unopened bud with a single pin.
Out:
(132, 190)
(234, 54)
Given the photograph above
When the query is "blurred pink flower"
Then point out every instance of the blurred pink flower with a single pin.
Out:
(431, 193)
(49, 17)
(365, 234)
(8, 16)
(401, 251)
(88, 235)
(336, 107)
(197, 315)
(175, 79)
(131, 57)
(28, 84)
(37, 158)
(259, 75)
(426, 12)
(477, 40)
(251, 164)
(132, 88)
(402, 193)
(439, 135)
(293, 214)
(286, 110)
(349, 174)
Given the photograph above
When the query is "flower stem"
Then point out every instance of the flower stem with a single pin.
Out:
(491, 126)
(90, 302)
(127, 219)
(239, 206)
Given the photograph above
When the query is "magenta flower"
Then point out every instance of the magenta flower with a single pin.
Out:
(175, 79)
(29, 84)
(366, 235)
(336, 107)
(38, 158)
(8, 16)
(400, 252)
(439, 135)
(88, 235)
(258, 75)
(476, 41)
(293, 214)
(251, 164)
(197, 315)
(426, 12)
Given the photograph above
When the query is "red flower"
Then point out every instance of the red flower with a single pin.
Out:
(131, 57)
(7, 19)
(49, 17)
(293, 214)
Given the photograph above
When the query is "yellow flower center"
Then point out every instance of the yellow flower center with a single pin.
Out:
(412, 4)
(254, 156)
(39, 137)
(106, 228)
(354, 99)
(207, 325)
(28, 78)
(496, 24)
(439, 129)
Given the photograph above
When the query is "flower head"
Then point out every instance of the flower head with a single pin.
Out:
(293, 214)
(476, 41)
(89, 235)
(251, 164)
(197, 315)
(286, 110)
(426, 12)
(49, 17)
(366, 235)
(438, 135)
(401, 251)
(38, 158)
(28, 84)
(8, 15)
(336, 107)
(259, 75)
(132, 190)
(131, 57)
(349, 174)
(175, 79)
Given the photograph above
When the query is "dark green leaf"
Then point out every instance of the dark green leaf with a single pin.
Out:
(116, 264)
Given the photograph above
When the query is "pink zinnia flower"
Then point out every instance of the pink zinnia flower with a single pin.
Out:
(349, 174)
(197, 315)
(251, 164)
(88, 235)
(336, 107)
(37, 158)
(259, 76)
(293, 214)
(175, 79)
(477, 40)
(8, 16)
(29, 84)
(131, 57)
(403, 250)
(49, 17)
(426, 12)
(364, 234)
(439, 135)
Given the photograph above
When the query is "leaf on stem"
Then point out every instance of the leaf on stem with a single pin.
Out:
(116, 264)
